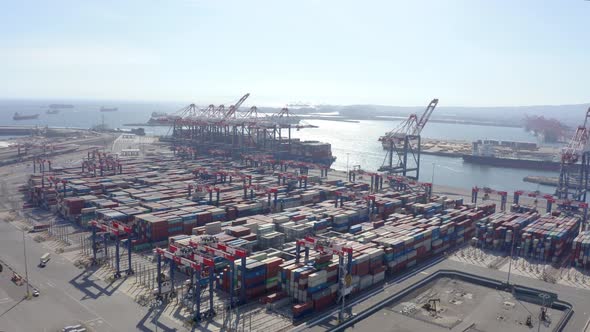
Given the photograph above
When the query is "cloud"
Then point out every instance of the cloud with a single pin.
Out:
(89, 55)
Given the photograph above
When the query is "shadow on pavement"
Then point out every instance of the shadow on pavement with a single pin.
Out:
(89, 287)
(154, 320)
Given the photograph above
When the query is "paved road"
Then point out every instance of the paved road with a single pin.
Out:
(68, 295)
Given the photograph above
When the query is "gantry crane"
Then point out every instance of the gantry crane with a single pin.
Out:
(115, 229)
(575, 165)
(228, 132)
(401, 183)
(333, 248)
(196, 263)
(562, 204)
(212, 247)
(487, 192)
(404, 145)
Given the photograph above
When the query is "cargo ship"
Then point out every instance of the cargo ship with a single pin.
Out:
(484, 154)
(61, 106)
(535, 164)
(164, 119)
(17, 116)
(52, 111)
(108, 109)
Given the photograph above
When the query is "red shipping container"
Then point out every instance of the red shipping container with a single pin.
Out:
(298, 217)
(254, 281)
(299, 308)
(232, 213)
(421, 251)
(322, 303)
(249, 237)
(377, 269)
(332, 279)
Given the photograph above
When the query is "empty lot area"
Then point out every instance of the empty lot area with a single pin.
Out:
(460, 306)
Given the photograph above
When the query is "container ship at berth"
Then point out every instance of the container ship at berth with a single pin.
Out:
(164, 119)
(245, 135)
(487, 153)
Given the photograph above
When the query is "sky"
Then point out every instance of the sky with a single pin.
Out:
(390, 52)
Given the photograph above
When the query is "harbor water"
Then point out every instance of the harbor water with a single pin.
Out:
(352, 143)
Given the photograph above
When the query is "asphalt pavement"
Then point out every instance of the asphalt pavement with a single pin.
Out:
(68, 295)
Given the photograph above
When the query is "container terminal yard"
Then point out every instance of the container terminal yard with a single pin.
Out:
(229, 223)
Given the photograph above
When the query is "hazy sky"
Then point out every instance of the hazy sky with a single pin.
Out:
(465, 52)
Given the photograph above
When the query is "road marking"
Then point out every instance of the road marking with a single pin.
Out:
(50, 284)
(97, 320)
(88, 309)
(5, 300)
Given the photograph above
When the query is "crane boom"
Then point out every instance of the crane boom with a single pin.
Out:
(234, 108)
(425, 117)
(578, 144)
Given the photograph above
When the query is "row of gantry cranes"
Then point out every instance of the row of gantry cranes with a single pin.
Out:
(232, 132)
(199, 261)
(229, 131)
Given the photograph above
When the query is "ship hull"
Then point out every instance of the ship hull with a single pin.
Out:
(512, 163)
(25, 117)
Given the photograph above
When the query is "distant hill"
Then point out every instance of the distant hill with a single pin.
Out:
(569, 114)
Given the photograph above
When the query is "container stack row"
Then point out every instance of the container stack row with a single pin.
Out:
(547, 238)
(581, 250)
(499, 230)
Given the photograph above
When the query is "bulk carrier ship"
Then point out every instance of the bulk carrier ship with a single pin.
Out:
(484, 154)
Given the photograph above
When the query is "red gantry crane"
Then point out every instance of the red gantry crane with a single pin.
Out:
(116, 229)
(326, 246)
(196, 263)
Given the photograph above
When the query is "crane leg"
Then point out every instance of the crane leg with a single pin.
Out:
(117, 260)
(129, 268)
(159, 276)
(243, 276)
(94, 245)
(198, 295)
(172, 287)
(211, 277)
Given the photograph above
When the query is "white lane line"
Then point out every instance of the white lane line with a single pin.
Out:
(50, 284)
(88, 309)
(5, 300)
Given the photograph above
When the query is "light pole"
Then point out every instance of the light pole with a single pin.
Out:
(347, 154)
(26, 269)
(511, 254)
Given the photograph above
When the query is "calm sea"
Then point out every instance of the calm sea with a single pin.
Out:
(352, 143)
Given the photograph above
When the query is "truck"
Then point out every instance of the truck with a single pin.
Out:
(44, 259)
(39, 228)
